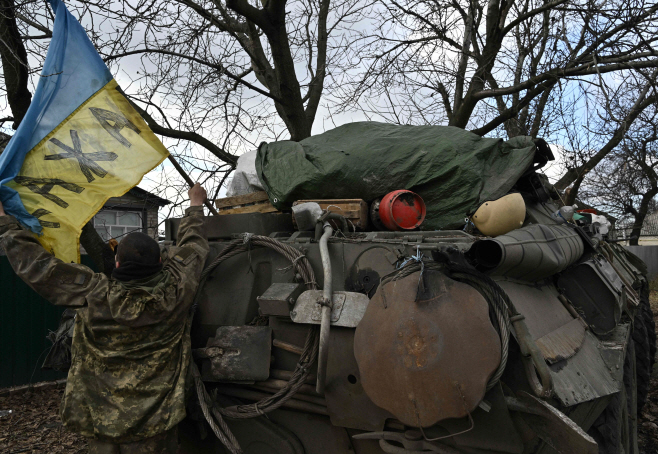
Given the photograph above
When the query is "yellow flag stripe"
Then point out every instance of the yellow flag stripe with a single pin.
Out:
(102, 150)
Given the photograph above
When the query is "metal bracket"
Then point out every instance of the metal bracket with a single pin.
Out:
(236, 354)
(278, 299)
(537, 371)
(412, 441)
(551, 425)
(347, 308)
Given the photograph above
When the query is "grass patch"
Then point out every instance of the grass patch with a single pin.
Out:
(653, 285)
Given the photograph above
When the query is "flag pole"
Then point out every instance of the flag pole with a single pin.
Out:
(191, 183)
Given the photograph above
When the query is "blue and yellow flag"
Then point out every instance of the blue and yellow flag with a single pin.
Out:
(79, 144)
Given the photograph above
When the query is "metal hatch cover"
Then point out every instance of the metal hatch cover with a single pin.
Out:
(348, 308)
(429, 360)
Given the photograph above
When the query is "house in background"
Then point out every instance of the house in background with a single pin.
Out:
(135, 211)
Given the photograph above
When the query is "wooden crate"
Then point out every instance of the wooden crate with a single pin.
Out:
(354, 210)
(255, 202)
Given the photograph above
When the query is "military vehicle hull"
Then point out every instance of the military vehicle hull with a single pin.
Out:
(578, 350)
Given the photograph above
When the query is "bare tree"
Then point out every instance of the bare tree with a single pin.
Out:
(608, 123)
(14, 63)
(210, 64)
(514, 67)
(220, 76)
(17, 45)
(626, 183)
(479, 65)
(214, 78)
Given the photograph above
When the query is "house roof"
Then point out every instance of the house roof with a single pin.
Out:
(148, 197)
(4, 140)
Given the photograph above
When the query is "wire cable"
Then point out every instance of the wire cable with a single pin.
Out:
(210, 409)
(499, 303)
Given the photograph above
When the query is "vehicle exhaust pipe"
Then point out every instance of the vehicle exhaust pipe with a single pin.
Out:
(533, 252)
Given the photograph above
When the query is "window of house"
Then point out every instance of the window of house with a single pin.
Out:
(115, 224)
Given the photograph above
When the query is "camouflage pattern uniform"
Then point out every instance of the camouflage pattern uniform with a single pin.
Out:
(131, 342)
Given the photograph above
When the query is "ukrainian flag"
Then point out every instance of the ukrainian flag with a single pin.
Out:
(79, 144)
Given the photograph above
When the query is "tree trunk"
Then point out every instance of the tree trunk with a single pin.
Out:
(284, 68)
(574, 174)
(641, 216)
(14, 63)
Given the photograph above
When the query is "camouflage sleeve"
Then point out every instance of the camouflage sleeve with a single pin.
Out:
(189, 255)
(63, 284)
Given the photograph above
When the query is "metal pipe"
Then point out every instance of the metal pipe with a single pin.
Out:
(298, 395)
(327, 303)
(273, 383)
(318, 231)
(257, 395)
(530, 253)
(287, 347)
(338, 217)
(286, 375)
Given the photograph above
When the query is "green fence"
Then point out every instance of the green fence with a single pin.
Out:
(25, 319)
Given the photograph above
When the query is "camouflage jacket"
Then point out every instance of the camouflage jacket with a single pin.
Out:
(131, 342)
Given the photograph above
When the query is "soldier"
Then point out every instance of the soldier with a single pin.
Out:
(131, 342)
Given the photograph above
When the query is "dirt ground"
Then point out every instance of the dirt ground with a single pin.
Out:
(34, 425)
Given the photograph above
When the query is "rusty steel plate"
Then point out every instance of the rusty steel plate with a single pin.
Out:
(562, 343)
(237, 354)
(429, 360)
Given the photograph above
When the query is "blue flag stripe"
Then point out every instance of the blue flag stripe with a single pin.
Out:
(72, 73)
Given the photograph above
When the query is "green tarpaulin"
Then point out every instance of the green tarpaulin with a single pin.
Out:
(452, 169)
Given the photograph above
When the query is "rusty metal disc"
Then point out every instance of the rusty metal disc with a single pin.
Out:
(429, 360)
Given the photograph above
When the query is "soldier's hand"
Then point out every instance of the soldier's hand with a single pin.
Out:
(2, 210)
(197, 195)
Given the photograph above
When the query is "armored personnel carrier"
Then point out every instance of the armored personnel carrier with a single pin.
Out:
(512, 333)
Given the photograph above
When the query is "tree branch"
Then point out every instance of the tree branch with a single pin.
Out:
(584, 70)
(317, 82)
(255, 15)
(184, 135)
(46, 31)
(579, 172)
(215, 66)
(532, 13)
(14, 63)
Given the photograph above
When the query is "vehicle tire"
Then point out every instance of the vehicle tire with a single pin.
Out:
(649, 322)
(615, 430)
(643, 361)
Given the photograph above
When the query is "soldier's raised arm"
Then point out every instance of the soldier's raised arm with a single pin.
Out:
(188, 257)
(63, 284)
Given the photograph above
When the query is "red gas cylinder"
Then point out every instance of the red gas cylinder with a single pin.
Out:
(400, 210)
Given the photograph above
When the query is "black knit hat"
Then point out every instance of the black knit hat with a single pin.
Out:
(138, 247)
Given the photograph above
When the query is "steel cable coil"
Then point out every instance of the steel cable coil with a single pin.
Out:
(498, 301)
(213, 415)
